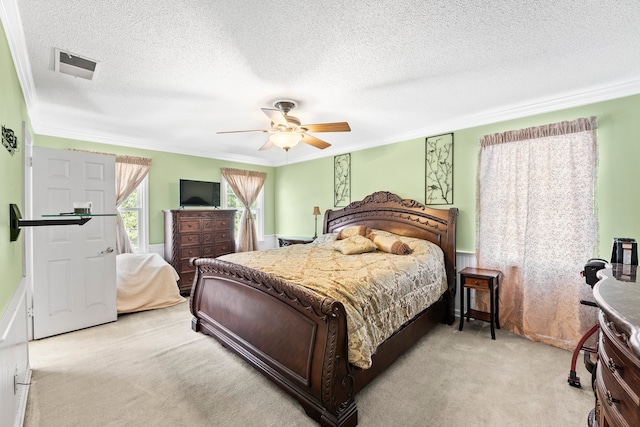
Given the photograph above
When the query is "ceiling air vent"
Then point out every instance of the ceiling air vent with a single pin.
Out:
(74, 65)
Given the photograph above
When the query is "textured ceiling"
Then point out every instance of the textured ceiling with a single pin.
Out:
(174, 73)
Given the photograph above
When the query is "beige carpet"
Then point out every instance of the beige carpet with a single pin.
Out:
(150, 369)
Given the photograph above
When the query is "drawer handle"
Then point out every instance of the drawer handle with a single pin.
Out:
(610, 399)
(620, 335)
(611, 364)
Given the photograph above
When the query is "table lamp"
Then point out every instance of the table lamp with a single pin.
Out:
(316, 212)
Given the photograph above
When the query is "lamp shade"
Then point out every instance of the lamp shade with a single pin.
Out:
(316, 210)
(285, 140)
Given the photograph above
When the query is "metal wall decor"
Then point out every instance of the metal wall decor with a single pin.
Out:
(9, 140)
(439, 170)
(342, 180)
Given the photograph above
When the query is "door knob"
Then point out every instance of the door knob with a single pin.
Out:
(107, 251)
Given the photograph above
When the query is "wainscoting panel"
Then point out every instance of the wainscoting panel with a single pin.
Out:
(463, 259)
(15, 372)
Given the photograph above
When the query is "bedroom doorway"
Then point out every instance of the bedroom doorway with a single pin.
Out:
(74, 267)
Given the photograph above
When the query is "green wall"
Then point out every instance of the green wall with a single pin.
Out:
(12, 114)
(164, 175)
(399, 168)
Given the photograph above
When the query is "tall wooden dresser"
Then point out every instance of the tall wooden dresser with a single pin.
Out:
(617, 384)
(196, 233)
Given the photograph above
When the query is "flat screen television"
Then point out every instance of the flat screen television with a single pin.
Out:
(199, 193)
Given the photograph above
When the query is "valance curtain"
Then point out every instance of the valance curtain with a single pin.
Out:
(130, 171)
(246, 185)
(537, 224)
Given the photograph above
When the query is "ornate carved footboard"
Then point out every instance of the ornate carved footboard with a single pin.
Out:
(291, 335)
(297, 338)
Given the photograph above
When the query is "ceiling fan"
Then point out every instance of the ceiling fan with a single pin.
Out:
(286, 131)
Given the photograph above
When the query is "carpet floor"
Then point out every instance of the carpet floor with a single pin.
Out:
(151, 369)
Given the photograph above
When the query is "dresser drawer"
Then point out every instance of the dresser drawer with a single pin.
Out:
(189, 239)
(606, 415)
(207, 224)
(186, 280)
(189, 225)
(187, 252)
(619, 362)
(474, 283)
(208, 251)
(222, 236)
(185, 267)
(224, 248)
(614, 398)
(223, 223)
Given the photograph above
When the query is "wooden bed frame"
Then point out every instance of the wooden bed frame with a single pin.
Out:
(297, 338)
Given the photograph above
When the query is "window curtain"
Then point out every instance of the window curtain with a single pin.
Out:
(246, 185)
(130, 171)
(537, 224)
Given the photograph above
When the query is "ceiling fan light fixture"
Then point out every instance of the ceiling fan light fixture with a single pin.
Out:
(285, 140)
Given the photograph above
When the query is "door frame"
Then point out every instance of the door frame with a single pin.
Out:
(27, 195)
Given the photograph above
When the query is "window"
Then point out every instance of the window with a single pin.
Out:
(135, 214)
(230, 201)
(537, 224)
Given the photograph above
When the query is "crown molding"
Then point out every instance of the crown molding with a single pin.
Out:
(18, 47)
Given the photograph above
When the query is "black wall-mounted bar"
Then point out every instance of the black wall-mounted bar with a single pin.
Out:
(16, 222)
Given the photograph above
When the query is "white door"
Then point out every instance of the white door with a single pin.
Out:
(74, 267)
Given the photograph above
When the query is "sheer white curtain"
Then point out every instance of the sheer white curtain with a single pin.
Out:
(537, 224)
(130, 171)
(246, 185)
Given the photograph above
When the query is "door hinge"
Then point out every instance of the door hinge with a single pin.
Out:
(30, 311)
(30, 162)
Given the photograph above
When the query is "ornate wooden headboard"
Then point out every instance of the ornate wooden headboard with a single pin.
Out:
(406, 217)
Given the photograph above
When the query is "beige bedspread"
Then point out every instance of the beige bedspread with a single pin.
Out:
(380, 291)
(145, 282)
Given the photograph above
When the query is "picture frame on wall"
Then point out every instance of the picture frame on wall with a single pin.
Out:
(342, 180)
(439, 169)
(9, 140)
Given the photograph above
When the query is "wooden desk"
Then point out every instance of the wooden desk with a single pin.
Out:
(480, 279)
(618, 369)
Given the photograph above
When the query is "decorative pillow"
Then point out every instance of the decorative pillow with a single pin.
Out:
(354, 230)
(354, 245)
(389, 244)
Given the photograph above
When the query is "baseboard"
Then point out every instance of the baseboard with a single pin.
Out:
(157, 249)
(15, 372)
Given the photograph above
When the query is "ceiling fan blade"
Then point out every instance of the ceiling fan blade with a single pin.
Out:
(328, 127)
(266, 146)
(241, 131)
(312, 140)
(276, 116)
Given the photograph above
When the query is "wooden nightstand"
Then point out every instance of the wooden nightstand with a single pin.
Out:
(480, 279)
(288, 241)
